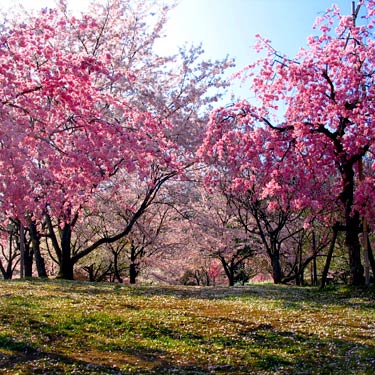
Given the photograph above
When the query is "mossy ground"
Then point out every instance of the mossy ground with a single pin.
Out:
(60, 327)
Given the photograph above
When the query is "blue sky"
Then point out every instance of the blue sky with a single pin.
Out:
(228, 26)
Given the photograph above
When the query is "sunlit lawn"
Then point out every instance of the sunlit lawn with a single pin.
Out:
(58, 327)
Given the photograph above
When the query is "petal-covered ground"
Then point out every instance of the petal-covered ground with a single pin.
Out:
(60, 327)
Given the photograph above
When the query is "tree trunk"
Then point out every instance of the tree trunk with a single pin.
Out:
(7, 273)
(133, 269)
(132, 273)
(371, 257)
(11, 260)
(354, 248)
(329, 258)
(26, 254)
(28, 261)
(298, 276)
(90, 270)
(230, 276)
(21, 246)
(66, 263)
(300, 270)
(314, 275)
(228, 269)
(35, 242)
(116, 267)
(314, 280)
(352, 225)
(277, 273)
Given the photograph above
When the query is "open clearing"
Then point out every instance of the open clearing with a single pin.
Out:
(60, 327)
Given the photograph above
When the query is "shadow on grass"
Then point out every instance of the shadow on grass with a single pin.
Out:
(21, 357)
(261, 350)
(251, 349)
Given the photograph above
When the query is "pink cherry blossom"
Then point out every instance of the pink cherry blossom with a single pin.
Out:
(308, 156)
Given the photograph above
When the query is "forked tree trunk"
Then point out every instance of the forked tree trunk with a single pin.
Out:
(229, 271)
(66, 265)
(10, 261)
(35, 243)
(26, 254)
(329, 258)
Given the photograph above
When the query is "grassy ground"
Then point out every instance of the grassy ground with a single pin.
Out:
(59, 327)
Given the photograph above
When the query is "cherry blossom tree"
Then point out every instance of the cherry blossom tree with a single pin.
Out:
(216, 232)
(130, 255)
(87, 97)
(310, 127)
(232, 251)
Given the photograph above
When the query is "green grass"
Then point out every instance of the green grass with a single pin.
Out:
(60, 327)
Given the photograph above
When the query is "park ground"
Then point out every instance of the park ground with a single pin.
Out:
(61, 327)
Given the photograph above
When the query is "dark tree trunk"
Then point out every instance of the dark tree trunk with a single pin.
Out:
(8, 272)
(371, 257)
(314, 275)
(10, 259)
(133, 267)
(229, 272)
(352, 226)
(230, 277)
(66, 263)
(277, 273)
(90, 270)
(314, 280)
(329, 258)
(28, 261)
(133, 273)
(352, 221)
(117, 274)
(35, 242)
(7, 275)
(354, 249)
(27, 254)
(197, 277)
(298, 276)
(228, 269)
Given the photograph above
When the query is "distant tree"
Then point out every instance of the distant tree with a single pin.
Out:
(217, 232)
(9, 251)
